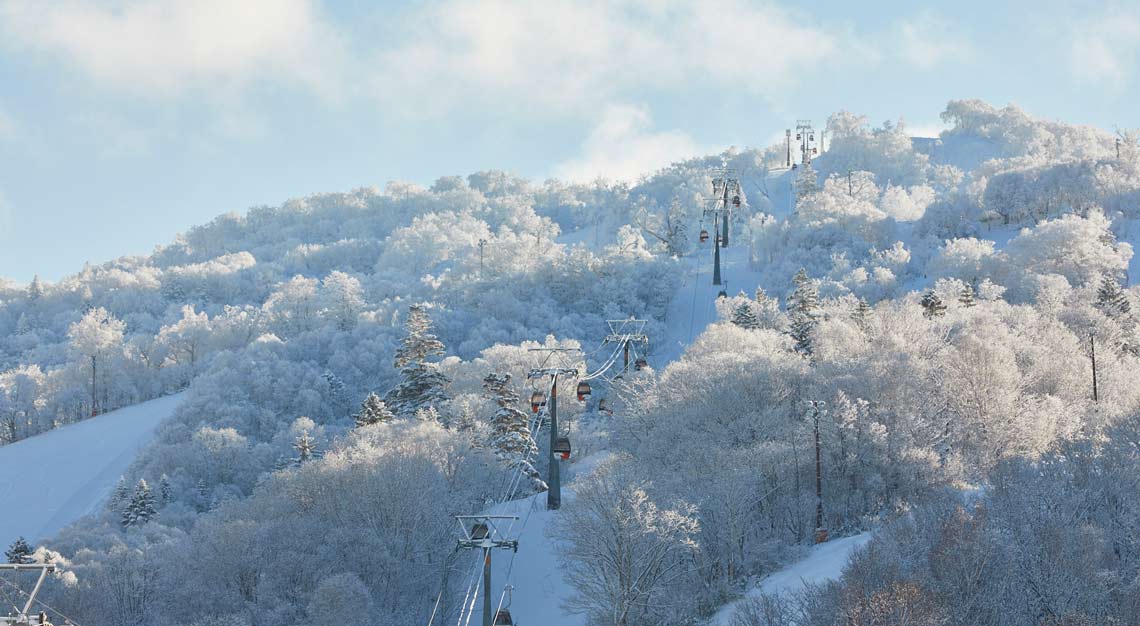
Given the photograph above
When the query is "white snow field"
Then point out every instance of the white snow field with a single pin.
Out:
(50, 480)
(824, 562)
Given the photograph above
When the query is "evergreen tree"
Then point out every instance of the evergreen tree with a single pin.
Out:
(862, 313)
(372, 411)
(19, 552)
(932, 305)
(1111, 298)
(141, 509)
(803, 309)
(744, 315)
(806, 182)
(510, 438)
(120, 494)
(35, 289)
(967, 298)
(338, 392)
(422, 384)
(306, 449)
(164, 489)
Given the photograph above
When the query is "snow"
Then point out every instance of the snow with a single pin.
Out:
(693, 306)
(57, 477)
(536, 573)
(824, 562)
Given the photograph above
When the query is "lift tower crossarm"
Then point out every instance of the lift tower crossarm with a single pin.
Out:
(43, 568)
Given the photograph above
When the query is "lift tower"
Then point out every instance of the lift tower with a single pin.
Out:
(626, 332)
(727, 196)
(482, 532)
(553, 478)
(21, 618)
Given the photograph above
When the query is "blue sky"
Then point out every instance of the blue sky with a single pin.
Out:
(123, 123)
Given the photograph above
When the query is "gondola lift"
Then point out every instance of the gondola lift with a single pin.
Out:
(537, 401)
(479, 532)
(583, 391)
(704, 235)
(736, 201)
(562, 447)
(503, 618)
(640, 364)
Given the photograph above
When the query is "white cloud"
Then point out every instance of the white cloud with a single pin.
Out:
(519, 56)
(623, 146)
(168, 47)
(927, 41)
(1104, 49)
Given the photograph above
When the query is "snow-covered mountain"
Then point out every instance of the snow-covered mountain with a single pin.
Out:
(343, 359)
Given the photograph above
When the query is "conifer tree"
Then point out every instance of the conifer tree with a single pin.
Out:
(306, 449)
(806, 182)
(422, 385)
(120, 494)
(164, 489)
(861, 313)
(967, 298)
(1111, 298)
(932, 305)
(803, 309)
(19, 552)
(744, 315)
(141, 509)
(510, 437)
(372, 411)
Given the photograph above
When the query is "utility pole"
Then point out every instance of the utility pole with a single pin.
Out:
(482, 242)
(482, 532)
(788, 144)
(629, 331)
(553, 478)
(820, 531)
(1092, 354)
(22, 617)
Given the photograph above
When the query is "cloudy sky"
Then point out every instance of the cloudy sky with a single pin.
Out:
(124, 122)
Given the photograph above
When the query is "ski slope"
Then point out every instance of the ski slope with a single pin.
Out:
(824, 562)
(51, 480)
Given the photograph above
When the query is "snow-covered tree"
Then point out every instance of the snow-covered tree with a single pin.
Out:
(932, 305)
(164, 490)
(306, 448)
(744, 315)
(967, 297)
(19, 552)
(803, 309)
(372, 411)
(94, 339)
(343, 300)
(510, 437)
(141, 508)
(1111, 298)
(422, 384)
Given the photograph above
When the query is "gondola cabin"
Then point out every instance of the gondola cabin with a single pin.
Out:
(603, 406)
(722, 294)
(562, 447)
(503, 618)
(583, 391)
(736, 201)
(479, 532)
(537, 401)
(704, 236)
(640, 364)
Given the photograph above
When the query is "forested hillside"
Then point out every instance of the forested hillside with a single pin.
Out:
(355, 375)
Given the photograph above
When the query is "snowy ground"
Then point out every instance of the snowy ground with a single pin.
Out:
(53, 479)
(824, 562)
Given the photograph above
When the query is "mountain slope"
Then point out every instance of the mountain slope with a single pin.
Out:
(53, 479)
